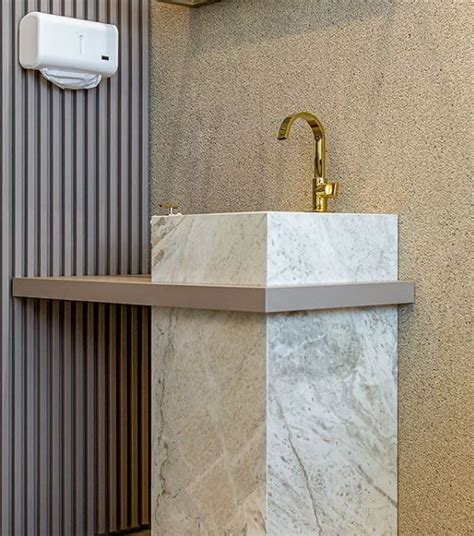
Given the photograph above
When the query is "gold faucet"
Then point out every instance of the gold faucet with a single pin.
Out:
(322, 189)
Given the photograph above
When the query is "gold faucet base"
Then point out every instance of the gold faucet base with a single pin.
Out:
(320, 205)
(322, 191)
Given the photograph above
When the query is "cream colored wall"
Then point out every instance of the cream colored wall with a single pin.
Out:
(390, 80)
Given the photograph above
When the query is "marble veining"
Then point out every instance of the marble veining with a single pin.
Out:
(208, 431)
(307, 248)
(279, 424)
(274, 425)
(332, 426)
(274, 248)
(209, 249)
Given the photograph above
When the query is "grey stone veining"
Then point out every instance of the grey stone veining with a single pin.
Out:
(331, 424)
(274, 248)
(208, 415)
(215, 249)
(307, 248)
(284, 424)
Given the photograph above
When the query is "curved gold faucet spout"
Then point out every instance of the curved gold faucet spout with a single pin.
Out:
(322, 190)
(319, 137)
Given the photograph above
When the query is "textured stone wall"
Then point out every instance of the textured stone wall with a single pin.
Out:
(390, 80)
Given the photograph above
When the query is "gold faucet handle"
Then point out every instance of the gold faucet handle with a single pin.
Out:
(170, 207)
(331, 189)
(322, 192)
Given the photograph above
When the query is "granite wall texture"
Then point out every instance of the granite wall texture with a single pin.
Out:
(391, 81)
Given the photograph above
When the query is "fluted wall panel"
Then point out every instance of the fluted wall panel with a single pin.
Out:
(74, 200)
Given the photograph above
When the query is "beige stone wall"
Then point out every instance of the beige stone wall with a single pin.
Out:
(390, 80)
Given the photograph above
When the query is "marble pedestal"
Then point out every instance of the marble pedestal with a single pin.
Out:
(278, 424)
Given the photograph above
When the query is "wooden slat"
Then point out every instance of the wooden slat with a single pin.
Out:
(68, 419)
(145, 414)
(90, 435)
(79, 420)
(124, 424)
(112, 419)
(133, 390)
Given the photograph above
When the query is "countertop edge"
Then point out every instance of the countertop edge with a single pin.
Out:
(139, 290)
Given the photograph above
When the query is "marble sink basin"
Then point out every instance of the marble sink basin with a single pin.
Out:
(274, 248)
(274, 423)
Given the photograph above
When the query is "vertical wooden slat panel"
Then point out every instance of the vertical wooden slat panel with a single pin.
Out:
(74, 200)
(134, 149)
(112, 418)
(57, 155)
(67, 417)
(133, 398)
(101, 422)
(56, 453)
(68, 171)
(144, 384)
(143, 133)
(91, 163)
(80, 165)
(90, 442)
(124, 418)
(102, 161)
(113, 157)
(44, 420)
(79, 421)
(18, 354)
(124, 149)
(6, 217)
(45, 320)
(31, 424)
(31, 254)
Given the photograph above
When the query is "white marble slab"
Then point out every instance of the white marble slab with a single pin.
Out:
(308, 248)
(275, 425)
(214, 249)
(274, 248)
(332, 423)
(278, 424)
(208, 423)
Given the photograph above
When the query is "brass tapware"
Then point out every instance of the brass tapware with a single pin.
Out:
(170, 207)
(322, 189)
(190, 3)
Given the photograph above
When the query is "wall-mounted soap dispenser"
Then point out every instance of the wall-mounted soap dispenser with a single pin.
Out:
(71, 53)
